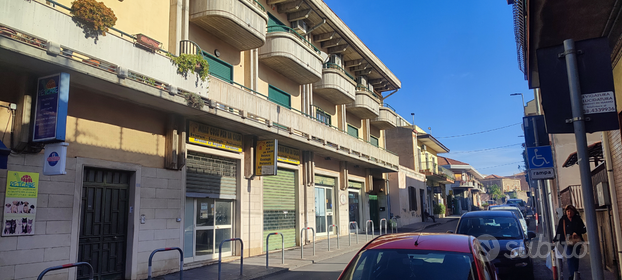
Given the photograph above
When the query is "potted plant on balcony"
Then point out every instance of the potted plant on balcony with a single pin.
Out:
(439, 210)
(191, 63)
(193, 100)
(147, 42)
(93, 17)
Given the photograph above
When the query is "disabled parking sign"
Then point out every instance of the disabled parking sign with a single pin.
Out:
(540, 161)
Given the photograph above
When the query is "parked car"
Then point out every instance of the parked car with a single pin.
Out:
(518, 203)
(524, 222)
(511, 254)
(421, 256)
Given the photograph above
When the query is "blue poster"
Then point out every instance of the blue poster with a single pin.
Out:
(51, 108)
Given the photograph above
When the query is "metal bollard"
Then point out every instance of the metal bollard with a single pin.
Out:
(181, 260)
(372, 230)
(394, 227)
(356, 226)
(302, 241)
(69, 265)
(338, 247)
(241, 254)
(282, 247)
(385, 226)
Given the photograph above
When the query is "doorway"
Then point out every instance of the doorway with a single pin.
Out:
(323, 209)
(211, 223)
(103, 223)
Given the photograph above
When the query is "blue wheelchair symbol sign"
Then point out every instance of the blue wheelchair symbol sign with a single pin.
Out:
(540, 157)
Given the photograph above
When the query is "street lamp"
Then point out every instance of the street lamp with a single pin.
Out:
(523, 100)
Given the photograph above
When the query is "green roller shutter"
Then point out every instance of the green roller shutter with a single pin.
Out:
(274, 24)
(353, 131)
(279, 208)
(211, 176)
(373, 140)
(219, 68)
(279, 97)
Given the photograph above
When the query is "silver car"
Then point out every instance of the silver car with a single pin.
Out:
(515, 210)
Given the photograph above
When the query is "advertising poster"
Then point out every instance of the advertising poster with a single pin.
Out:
(266, 157)
(214, 137)
(20, 203)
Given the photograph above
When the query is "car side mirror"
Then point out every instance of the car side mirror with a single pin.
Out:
(531, 235)
(450, 231)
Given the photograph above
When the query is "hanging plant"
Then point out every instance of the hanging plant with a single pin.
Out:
(193, 100)
(93, 17)
(191, 63)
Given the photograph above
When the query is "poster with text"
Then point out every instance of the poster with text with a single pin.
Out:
(20, 203)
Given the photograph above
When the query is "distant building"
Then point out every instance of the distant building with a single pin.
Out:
(508, 184)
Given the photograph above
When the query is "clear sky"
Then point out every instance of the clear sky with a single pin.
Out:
(458, 66)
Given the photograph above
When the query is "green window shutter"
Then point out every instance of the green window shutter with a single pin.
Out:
(279, 97)
(219, 68)
(274, 23)
(353, 131)
(373, 140)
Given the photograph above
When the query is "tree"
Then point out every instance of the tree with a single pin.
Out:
(495, 192)
(512, 194)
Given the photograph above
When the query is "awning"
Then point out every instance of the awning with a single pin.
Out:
(595, 153)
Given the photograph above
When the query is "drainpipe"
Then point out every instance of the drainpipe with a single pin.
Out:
(614, 198)
(390, 94)
(186, 21)
(316, 26)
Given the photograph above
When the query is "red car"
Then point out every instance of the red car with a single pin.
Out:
(421, 256)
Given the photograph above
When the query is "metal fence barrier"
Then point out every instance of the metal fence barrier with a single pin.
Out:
(241, 254)
(356, 230)
(329, 227)
(302, 241)
(385, 226)
(181, 260)
(282, 247)
(372, 230)
(69, 265)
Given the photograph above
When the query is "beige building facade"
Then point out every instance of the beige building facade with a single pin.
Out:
(148, 167)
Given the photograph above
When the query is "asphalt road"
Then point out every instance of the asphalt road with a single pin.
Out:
(331, 268)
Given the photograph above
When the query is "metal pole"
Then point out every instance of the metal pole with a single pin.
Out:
(583, 159)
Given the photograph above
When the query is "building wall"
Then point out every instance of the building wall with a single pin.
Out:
(563, 146)
(403, 142)
(399, 182)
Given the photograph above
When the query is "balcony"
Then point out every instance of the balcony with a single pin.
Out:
(336, 85)
(439, 174)
(290, 54)
(240, 23)
(366, 104)
(387, 118)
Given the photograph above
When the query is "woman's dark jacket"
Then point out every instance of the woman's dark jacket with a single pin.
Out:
(575, 226)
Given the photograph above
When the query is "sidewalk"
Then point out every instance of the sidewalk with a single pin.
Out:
(255, 267)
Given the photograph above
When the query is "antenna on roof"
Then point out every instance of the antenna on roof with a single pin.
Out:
(417, 240)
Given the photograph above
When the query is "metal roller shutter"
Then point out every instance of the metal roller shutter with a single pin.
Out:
(212, 176)
(279, 208)
(219, 68)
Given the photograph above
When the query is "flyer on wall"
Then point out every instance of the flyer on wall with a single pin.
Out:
(20, 203)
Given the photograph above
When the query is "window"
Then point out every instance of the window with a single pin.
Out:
(279, 97)
(322, 116)
(219, 68)
(412, 198)
(353, 131)
(373, 140)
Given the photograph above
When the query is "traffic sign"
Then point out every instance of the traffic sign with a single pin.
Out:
(540, 157)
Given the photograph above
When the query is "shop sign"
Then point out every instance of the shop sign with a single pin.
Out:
(288, 155)
(266, 157)
(50, 121)
(20, 203)
(214, 137)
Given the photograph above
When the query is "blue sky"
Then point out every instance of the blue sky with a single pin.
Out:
(458, 66)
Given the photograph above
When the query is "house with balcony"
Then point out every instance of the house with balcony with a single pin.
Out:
(467, 186)
(159, 159)
(420, 182)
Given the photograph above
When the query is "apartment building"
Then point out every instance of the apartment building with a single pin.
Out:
(157, 159)
(467, 187)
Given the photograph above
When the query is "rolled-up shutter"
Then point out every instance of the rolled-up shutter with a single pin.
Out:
(211, 176)
(279, 208)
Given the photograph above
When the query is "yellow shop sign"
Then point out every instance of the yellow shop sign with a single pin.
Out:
(289, 155)
(210, 136)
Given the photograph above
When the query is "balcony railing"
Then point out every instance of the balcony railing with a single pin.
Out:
(336, 85)
(291, 55)
(387, 118)
(240, 23)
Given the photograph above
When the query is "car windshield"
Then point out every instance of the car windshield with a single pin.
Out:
(498, 227)
(519, 202)
(410, 264)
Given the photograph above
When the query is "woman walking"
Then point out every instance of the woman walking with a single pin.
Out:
(569, 232)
